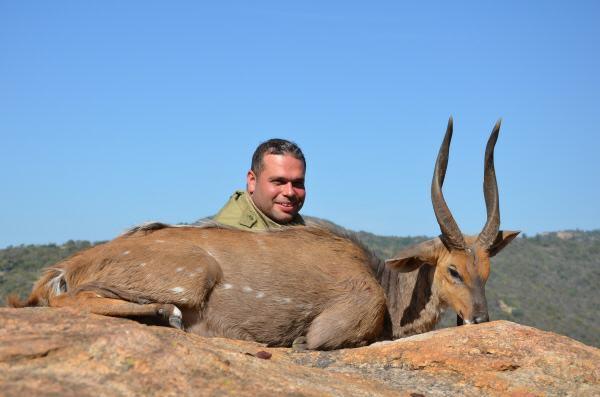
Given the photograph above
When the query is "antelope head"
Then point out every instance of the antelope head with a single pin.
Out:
(462, 263)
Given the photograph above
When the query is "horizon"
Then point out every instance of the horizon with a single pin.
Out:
(115, 114)
(520, 236)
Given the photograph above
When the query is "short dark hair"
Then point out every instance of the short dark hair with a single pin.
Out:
(275, 146)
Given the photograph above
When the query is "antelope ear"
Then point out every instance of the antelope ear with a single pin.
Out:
(413, 257)
(502, 239)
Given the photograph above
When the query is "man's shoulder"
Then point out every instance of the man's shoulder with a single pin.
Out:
(237, 212)
(240, 212)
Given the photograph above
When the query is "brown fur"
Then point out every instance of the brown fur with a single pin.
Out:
(270, 287)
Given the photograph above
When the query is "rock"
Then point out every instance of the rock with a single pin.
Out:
(62, 352)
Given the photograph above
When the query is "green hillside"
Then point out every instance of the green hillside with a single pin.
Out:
(21, 266)
(547, 281)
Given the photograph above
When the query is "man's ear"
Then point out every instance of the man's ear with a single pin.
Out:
(250, 181)
(413, 257)
(502, 239)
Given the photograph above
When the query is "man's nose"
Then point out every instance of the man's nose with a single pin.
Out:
(288, 189)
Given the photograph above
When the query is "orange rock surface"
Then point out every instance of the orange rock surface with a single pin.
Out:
(47, 352)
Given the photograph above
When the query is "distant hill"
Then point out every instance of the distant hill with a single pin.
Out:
(549, 281)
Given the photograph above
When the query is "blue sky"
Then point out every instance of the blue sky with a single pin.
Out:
(114, 113)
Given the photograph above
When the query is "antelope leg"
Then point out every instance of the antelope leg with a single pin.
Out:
(94, 303)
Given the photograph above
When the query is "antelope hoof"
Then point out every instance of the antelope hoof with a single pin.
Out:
(176, 318)
(300, 344)
(172, 314)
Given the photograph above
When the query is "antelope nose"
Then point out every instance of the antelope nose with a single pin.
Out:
(484, 318)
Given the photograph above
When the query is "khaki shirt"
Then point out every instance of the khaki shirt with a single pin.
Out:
(241, 213)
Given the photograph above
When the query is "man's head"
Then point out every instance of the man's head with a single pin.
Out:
(275, 180)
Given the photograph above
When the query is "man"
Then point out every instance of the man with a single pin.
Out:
(274, 189)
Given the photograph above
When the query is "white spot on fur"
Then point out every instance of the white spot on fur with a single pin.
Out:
(179, 269)
(183, 300)
(227, 286)
(260, 294)
(283, 300)
(247, 289)
(142, 264)
(178, 290)
(125, 253)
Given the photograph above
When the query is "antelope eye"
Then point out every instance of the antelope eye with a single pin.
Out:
(454, 273)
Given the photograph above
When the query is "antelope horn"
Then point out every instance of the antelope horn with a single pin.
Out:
(451, 234)
(490, 190)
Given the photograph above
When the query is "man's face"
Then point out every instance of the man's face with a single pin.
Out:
(278, 190)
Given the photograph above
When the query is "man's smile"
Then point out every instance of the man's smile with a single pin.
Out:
(287, 205)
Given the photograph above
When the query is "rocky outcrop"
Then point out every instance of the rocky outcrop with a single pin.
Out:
(47, 352)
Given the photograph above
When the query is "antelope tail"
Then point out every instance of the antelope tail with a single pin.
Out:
(51, 283)
(13, 300)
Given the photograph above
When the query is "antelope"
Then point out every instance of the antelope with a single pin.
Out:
(305, 286)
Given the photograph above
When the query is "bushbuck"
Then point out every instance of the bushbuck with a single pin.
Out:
(308, 286)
